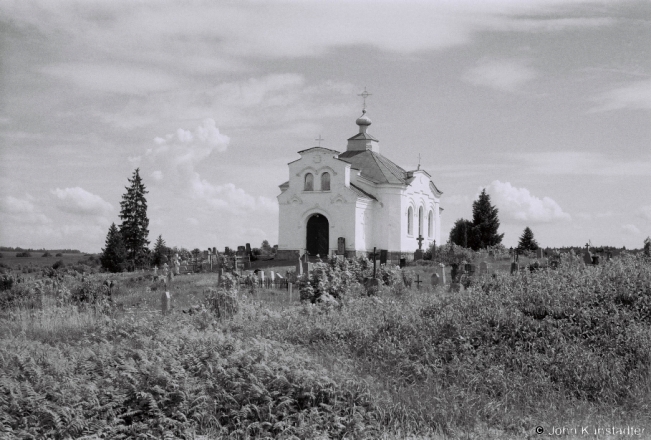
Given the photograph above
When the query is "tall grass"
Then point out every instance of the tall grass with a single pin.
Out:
(552, 348)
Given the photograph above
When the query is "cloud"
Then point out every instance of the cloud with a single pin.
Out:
(519, 205)
(113, 78)
(79, 201)
(176, 155)
(582, 163)
(636, 95)
(22, 211)
(502, 75)
(229, 198)
(630, 229)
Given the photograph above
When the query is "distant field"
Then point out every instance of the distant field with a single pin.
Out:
(10, 259)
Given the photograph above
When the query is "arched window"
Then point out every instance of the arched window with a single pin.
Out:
(420, 221)
(430, 224)
(410, 221)
(325, 182)
(309, 182)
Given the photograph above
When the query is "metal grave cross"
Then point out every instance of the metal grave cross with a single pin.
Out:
(418, 281)
(419, 161)
(364, 95)
(420, 242)
(375, 255)
(319, 139)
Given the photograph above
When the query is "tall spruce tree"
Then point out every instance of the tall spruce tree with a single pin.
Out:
(159, 256)
(527, 242)
(114, 255)
(135, 222)
(462, 233)
(485, 223)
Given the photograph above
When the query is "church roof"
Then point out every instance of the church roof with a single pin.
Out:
(361, 193)
(375, 167)
(365, 136)
(320, 148)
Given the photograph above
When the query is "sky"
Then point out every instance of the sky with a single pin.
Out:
(545, 103)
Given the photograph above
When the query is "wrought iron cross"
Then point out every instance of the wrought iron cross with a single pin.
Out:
(364, 95)
(420, 242)
(375, 255)
(319, 139)
(419, 161)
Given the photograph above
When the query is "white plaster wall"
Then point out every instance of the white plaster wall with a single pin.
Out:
(338, 205)
(418, 194)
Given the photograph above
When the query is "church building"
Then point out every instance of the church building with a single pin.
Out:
(348, 203)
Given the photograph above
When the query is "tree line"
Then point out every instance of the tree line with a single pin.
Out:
(482, 231)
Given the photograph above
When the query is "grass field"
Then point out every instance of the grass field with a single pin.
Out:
(566, 349)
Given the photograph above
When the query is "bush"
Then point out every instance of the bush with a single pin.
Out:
(58, 264)
(221, 302)
(46, 254)
(59, 254)
(23, 255)
(91, 293)
(21, 295)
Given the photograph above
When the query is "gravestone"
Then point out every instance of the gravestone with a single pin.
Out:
(261, 274)
(539, 253)
(483, 268)
(435, 279)
(418, 254)
(166, 300)
(383, 256)
(471, 269)
(248, 249)
(227, 250)
(587, 255)
(403, 263)
(341, 246)
(155, 271)
(514, 267)
(441, 272)
(272, 276)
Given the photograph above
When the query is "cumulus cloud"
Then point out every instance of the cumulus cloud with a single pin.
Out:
(24, 212)
(79, 201)
(230, 198)
(520, 205)
(182, 151)
(636, 95)
(630, 229)
(502, 75)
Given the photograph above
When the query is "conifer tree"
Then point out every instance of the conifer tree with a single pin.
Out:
(160, 252)
(134, 221)
(527, 242)
(485, 223)
(462, 233)
(114, 255)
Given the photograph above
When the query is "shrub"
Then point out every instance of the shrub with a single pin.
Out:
(221, 302)
(46, 254)
(23, 255)
(21, 295)
(6, 282)
(58, 264)
(59, 254)
(91, 293)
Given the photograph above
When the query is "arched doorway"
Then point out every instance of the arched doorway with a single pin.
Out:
(318, 236)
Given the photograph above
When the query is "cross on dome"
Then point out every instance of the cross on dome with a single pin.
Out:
(364, 95)
(319, 139)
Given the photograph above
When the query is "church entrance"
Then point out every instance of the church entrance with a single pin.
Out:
(318, 236)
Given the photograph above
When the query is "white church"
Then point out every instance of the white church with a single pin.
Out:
(349, 203)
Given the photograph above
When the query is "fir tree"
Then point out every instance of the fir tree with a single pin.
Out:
(159, 256)
(265, 248)
(527, 242)
(485, 223)
(134, 221)
(114, 255)
(462, 233)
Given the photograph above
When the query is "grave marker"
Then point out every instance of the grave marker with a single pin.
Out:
(341, 246)
(483, 268)
(435, 279)
(442, 273)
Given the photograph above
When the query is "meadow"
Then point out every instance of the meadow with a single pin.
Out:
(558, 349)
